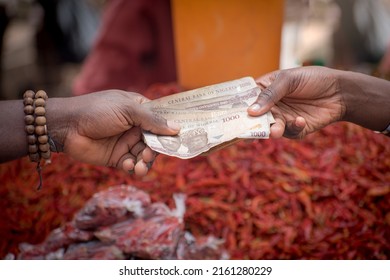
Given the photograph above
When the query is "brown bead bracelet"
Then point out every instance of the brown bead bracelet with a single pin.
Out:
(36, 129)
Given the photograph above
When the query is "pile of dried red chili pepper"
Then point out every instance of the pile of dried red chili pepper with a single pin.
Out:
(324, 197)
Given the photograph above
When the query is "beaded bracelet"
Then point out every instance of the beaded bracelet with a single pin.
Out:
(40, 125)
(36, 129)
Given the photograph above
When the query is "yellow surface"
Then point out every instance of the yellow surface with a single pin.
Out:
(220, 40)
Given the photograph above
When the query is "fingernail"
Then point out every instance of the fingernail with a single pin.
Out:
(255, 107)
(173, 125)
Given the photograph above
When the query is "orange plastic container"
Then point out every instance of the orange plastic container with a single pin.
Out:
(220, 40)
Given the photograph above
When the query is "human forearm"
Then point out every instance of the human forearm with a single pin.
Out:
(13, 143)
(13, 140)
(367, 100)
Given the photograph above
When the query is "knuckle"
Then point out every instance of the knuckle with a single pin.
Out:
(268, 96)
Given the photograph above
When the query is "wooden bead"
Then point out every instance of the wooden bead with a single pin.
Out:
(34, 157)
(44, 147)
(40, 102)
(30, 129)
(29, 119)
(43, 139)
(46, 155)
(34, 109)
(31, 139)
(40, 120)
(40, 111)
(41, 94)
(28, 101)
(28, 109)
(28, 94)
(32, 149)
(40, 130)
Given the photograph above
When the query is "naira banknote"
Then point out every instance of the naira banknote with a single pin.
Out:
(210, 118)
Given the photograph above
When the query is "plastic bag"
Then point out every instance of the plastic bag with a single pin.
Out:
(122, 223)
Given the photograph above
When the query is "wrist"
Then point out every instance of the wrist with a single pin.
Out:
(58, 122)
(366, 98)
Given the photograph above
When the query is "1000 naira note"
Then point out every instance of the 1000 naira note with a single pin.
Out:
(209, 117)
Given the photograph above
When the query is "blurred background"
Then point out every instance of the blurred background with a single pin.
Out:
(45, 43)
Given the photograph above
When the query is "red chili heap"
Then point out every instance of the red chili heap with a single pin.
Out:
(324, 197)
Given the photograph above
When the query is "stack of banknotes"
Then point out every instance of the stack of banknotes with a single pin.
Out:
(210, 118)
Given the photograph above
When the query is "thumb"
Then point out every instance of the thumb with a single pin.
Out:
(153, 122)
(276, 88)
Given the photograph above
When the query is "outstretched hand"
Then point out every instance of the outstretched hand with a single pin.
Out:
(302, 100)
(105, 128)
